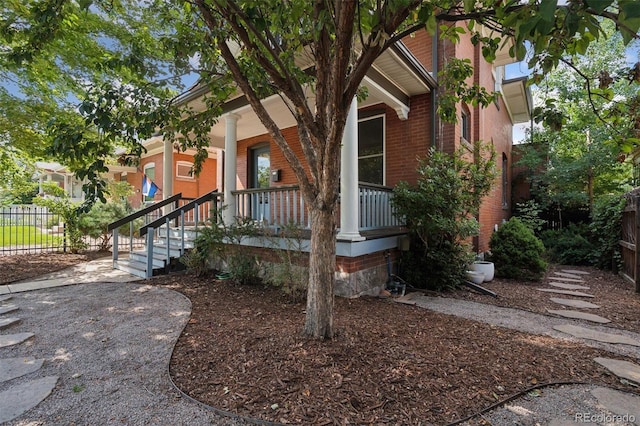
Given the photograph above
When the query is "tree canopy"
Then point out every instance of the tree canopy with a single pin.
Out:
(299, 49)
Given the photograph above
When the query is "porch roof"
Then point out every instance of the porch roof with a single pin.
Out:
(393, 79)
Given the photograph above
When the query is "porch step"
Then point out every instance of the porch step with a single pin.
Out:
(159, 257)
(134, 267)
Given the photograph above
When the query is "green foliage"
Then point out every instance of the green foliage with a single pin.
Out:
(529, 214)
(569, 245)
(606, 232)
(440, 210)
(96, 221)
(289, 273)
(209, 248)
(58, 202)
(516, 252)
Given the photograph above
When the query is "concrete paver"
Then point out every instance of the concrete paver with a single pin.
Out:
(568, 275)
(6, 322)
(8, 309)
(575, 303)
(621, 403)
(576, 272)
(579, 315)
(623, 369)
(565, 279)
(13, 339)
(21, 398)
(587, 333)
(10, 368)
(569, 286)
(566, 292)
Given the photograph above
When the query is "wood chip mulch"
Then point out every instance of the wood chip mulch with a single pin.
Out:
(390, 364)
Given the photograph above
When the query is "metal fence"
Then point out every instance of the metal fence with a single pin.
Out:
(26, 229)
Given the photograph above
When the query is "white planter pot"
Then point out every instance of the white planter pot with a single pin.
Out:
(486, 268)
(475, 277)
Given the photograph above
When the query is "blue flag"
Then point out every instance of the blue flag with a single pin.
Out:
(149, 188)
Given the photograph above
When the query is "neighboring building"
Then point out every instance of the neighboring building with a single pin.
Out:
(181, 179)
(396, 124)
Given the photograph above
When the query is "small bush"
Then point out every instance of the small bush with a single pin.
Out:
(516, 252)
(569, 245)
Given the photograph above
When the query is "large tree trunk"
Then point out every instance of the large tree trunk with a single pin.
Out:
(322, 268)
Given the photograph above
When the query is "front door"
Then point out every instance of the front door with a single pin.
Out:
(260, 178)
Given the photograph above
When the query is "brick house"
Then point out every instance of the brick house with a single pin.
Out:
(396, 124)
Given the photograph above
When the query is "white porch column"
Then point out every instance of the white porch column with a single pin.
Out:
(167, 169)
(349, 199)
(230, 157)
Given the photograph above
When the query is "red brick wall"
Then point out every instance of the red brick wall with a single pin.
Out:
(190, 188)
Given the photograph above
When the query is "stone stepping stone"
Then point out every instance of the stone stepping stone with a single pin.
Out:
(567, 292)
(569, 286)
(623, 369)
(407, 299)
(13, 339)
(21, 398)
(6, 322)
(575, 303)
(567, 275)
(6, 297)
(579, 315)
(10, 368)
(7, 309)
(587, 333)
(575, 271)
(571, 280)
(620, 403)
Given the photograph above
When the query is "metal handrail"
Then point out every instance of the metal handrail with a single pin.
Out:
(180, 211)
(143, 212)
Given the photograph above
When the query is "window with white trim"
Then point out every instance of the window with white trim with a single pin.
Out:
(371, 131)
(184, 170)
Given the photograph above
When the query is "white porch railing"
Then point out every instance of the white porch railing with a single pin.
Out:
(273, 206)
(376, 210)
(279, 206)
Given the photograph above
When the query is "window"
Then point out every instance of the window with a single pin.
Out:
(150, 172)
(505, 181)
(465, 124)
(184, 170)
(371, 150)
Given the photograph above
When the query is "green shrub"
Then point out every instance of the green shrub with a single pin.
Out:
(569, 245)
(529, 214)
(440, 210)
(516, 252)
(606, 232)
(208, 248)
(96, 221)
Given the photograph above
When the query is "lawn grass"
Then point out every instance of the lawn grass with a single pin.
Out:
(20, 235)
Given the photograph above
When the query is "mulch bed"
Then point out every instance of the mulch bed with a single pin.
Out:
(390, 364)
(24, 266)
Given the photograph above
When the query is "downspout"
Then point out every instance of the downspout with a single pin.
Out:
(434, 90)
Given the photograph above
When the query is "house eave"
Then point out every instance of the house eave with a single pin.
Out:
(517, 98)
